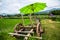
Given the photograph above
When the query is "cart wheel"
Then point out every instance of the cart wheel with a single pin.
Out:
(38, 31)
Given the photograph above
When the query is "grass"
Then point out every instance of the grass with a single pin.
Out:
(6, 26)
(52, 29)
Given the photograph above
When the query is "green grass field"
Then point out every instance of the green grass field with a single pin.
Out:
(52, 28)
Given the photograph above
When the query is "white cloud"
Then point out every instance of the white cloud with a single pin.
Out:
(0, 4)
(13, 6)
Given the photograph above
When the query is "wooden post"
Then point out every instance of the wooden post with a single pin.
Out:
(31, 19)
(28, 34)
(22, 19)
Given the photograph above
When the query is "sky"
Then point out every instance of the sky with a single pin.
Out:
(13, 6)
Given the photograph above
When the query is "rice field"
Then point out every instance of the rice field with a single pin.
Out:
(52, 28)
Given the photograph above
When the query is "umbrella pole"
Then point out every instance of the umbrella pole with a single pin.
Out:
(31, 19)
(22, 19)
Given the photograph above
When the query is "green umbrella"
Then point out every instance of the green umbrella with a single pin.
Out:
(33, 8)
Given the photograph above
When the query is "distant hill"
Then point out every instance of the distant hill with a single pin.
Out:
(47, 11)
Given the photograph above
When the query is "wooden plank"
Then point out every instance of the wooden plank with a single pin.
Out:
(22, 34)
(28, 34)
(18, 34)
(20, 30)
(29, 27)
(25, 32)
(25, 35)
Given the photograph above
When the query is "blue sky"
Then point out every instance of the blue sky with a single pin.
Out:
(13, 6)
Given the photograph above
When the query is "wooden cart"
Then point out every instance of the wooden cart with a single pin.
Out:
(26, 31)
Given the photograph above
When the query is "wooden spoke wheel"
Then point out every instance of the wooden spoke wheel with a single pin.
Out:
(39, 30)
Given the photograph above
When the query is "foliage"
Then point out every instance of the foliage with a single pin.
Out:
(32, 8)
(56, 12)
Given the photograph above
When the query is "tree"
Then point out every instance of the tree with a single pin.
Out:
(55, 12)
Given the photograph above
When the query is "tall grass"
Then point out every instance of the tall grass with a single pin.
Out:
(52, 29)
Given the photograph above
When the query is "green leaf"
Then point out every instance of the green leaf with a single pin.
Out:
(32, 8)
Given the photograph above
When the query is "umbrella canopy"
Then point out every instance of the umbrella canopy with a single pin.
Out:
(32, 8)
